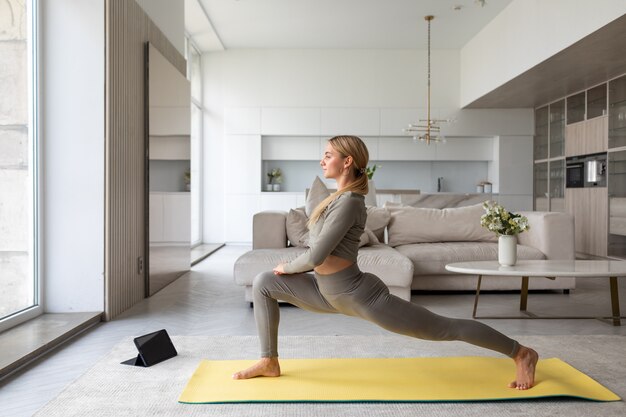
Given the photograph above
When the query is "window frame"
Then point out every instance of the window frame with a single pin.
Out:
(190, 46)
(33, 25)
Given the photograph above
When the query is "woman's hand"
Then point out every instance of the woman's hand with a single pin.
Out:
(279, 269)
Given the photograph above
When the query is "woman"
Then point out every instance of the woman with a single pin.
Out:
(338, 286)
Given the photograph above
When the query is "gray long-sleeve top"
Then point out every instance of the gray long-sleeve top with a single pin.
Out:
(337, 232)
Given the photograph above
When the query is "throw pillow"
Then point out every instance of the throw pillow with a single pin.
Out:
(297, 232)
(421, 225)
(377, 219)
(368, 238)
(317, 194)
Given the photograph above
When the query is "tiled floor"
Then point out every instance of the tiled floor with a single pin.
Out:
(207, 302)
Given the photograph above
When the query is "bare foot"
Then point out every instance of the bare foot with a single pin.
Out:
(525, 362)
(264, 367)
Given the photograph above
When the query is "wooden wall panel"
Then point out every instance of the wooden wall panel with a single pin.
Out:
(597, 135)
(586, 137)
(589, 206)
(574, 135)
(128, 28)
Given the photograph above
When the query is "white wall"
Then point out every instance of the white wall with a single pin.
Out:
(330, 78)
(72, 140)
(169, 16)
(241, 87)
(523, 35)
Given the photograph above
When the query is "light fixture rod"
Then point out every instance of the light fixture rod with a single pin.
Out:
(428, 129)
(428, 19)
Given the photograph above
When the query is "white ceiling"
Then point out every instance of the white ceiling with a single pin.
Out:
(342, 24)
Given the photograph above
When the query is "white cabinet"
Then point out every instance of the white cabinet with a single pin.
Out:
(177, 217)
(465, 149)
(170, 217)
(299, 148)
(170, 121)
(290, 121)
(404, 149)
(393, 121)
(155, 228)
(170, 147)
(350, 121)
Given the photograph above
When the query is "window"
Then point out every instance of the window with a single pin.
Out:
(19, 287)
(195, 76)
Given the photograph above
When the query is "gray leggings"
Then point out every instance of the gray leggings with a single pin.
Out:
(361, 294)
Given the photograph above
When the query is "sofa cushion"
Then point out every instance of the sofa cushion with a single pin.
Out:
(256, 261)
(377, 219)
(431, 258)
(392, 267)
(316, 195)
(297, 232)
(421, 225)
(368, 238)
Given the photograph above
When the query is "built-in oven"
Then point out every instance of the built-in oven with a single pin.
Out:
(585, 171)
(574, 172)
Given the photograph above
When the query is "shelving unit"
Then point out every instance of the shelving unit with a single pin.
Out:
(542, 129)
(557, 185)
(576, 107)
(596, 101)
(557, 128)
(541, 196)
(549, 164)
(588, 122)
(617, 203)
(617, 113)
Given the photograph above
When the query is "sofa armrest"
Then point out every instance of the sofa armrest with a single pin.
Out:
(269, 230)
(550, 232)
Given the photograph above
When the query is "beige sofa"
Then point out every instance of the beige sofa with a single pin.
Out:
(418, 247)
(432, 238)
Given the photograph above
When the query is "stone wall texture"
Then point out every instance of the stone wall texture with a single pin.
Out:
(16, 280)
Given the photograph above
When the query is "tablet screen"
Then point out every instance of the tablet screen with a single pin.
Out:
(155, 347)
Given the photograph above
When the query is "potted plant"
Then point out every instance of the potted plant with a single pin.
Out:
(274, 179)
(506, 226)
(370, 198)
(278, 179)
(187, 178)
(371, 170)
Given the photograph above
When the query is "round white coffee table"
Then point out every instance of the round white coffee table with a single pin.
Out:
(547, 269)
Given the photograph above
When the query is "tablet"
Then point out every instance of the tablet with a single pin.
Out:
(153, 348)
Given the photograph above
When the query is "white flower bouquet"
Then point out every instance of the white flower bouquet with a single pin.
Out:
(501, 221)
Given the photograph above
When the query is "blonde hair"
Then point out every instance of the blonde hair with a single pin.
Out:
(346, 146)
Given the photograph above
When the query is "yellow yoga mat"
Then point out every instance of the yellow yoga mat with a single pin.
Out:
(388, 380)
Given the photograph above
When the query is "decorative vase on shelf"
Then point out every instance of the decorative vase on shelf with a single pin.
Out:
(268, 187)
(507, 250)
(276, 187)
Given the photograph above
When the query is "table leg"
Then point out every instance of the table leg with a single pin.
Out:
(523, 302)
(615, 302)
(480, 277)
